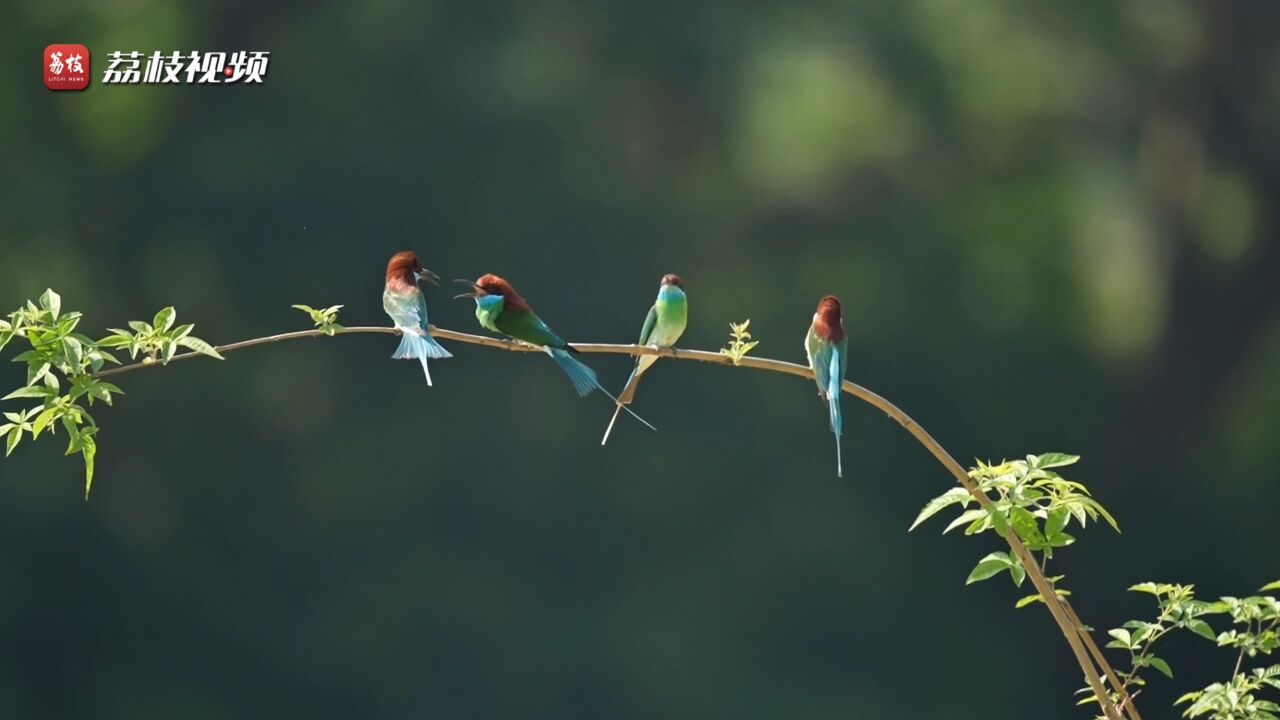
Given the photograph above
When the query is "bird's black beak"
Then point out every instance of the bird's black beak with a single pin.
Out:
(474, 293)
(429, 276)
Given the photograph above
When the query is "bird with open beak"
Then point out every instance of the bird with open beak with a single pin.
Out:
(403, 301)
(503, 310)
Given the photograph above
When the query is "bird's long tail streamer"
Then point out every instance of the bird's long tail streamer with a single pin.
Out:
(584, 379)
(627, 395)
(418, 346)
(617, 408)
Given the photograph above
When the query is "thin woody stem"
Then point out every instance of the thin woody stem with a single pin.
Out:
(1240, 657)
(1126, 700)
(1070, 625)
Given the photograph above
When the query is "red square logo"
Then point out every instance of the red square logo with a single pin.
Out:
(66, 67)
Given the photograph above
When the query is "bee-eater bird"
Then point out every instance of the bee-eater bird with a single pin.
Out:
(403, 301)
(827, 346)
(663, 326)
(501, 309)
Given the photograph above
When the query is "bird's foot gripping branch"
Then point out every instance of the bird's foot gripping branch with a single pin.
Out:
(1025, 502)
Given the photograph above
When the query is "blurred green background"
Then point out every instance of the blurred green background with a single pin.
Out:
(1052, 224)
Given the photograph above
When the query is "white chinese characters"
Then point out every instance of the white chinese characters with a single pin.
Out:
(71, 65)
(193, 68)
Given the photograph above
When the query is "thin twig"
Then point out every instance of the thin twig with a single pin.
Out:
(1071, 627)
(1240, 657)
(1126, 701)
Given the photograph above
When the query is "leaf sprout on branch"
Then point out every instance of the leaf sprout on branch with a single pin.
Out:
(326, 320)
(740, 343)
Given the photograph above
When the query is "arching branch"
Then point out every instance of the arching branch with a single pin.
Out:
(1072, 629)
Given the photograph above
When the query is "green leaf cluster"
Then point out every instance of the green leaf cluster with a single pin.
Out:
(158, 340)
(1027, 498)
(1238, 699)
(62, 367)
(1255, 620)
(740, 342)
(326, 319)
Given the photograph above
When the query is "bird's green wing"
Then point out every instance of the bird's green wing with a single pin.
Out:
(649, 321)
(528, 327)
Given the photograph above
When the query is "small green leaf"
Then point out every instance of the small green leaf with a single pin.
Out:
(140, 327)
(1161, 665)
(43, 419)
(988, 567)
(1056, 521)
(74, 352)
(200, 346)
(1052, 460)
(1122, 637)
(73, 433)
(1024, 523)
(1202, 628)
(88, 448)
(1018, 572)
(1270, 586)
(1103, 511)
(951, 497)
(52, 302)
(36, 371)
(965, 518)
(15, 437)
(164, 319)
(999, 521)
(1023, 602)
(117, 338)
(35, 391)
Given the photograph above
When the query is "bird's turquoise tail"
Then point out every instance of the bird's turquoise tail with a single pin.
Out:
(419, 347)
(583, 378)
(833, 406)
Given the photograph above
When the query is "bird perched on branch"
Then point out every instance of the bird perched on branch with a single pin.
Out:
(501, 309)
(826, 346)
(404, 302)
(663, 326)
